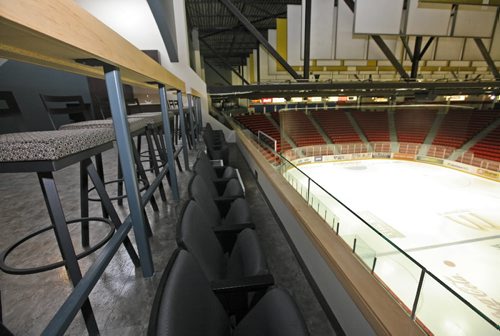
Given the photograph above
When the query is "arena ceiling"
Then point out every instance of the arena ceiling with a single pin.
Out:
(222, 35)
(224, 41)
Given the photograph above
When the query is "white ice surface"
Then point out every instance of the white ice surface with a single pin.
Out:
(448, 221)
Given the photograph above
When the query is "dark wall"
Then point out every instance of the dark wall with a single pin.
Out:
(27, 81)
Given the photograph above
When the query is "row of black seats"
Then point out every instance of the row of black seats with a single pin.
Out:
(216, 144)
(217, 282)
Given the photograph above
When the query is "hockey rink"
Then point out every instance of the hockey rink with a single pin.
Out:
(446, 220)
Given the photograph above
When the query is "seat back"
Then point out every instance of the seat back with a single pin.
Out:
(184, 303)
(205, 169)
(71, 106)
(199, 191)
(275, 314)
(228, 171)
(202, 164)
(4, 331)
(133, 106)
(247, 258)
(8, 104)
(233, 189)
(239, 212)
(10, 112)
(195, 234)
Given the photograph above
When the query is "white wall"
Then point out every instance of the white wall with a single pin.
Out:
(133, 20)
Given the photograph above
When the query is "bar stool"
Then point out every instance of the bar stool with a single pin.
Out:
(136, 126)
(154, 133)
(71, 106)
(44, 153)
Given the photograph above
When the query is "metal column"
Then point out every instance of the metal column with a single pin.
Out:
(124, 143)
(183, 130)
(307, 39)
(416, 57)
(167, 134)
(191, 118)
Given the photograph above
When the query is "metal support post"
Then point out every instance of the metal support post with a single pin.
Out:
(200, 116)
(124, 144)
(487, 58)
(417, 294)
(167, 134)
(183, 130)
(191, 118)
(195, 118)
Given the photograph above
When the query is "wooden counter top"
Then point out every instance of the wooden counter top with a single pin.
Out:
(53, 33)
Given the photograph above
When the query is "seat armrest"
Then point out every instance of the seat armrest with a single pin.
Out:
(233, 227)
(217, 164)
(226, 199)
(224, 204)
(247, 284)
(227, 234)
(220, 184)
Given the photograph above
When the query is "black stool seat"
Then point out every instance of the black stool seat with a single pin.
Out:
(153, 117)
(50, 145)
(135, 124)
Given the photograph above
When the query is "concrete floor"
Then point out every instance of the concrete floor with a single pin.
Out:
(122, 298)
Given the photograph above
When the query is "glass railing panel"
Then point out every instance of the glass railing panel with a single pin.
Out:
(442, 312)
(365, 253)
(395, 271)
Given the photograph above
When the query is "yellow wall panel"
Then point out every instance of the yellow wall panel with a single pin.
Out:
(252, 69)
(281, 41)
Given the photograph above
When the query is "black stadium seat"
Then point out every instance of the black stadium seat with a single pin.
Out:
(244, 259)
(185, 305)
(225, 187)
(219, 172)
(217, 147)
(222, 211)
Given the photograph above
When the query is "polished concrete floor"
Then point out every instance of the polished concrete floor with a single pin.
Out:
(122, 298)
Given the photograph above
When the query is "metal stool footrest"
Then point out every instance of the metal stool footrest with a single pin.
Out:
(119, 197)
(32, 270)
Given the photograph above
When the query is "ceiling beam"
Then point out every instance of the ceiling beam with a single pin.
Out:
(224, 62)
(248, 25)
(217, 72)
(406, 46)
(390, 56)
(487, 58)
(490, 87)
(274, 16)
(426, 46)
